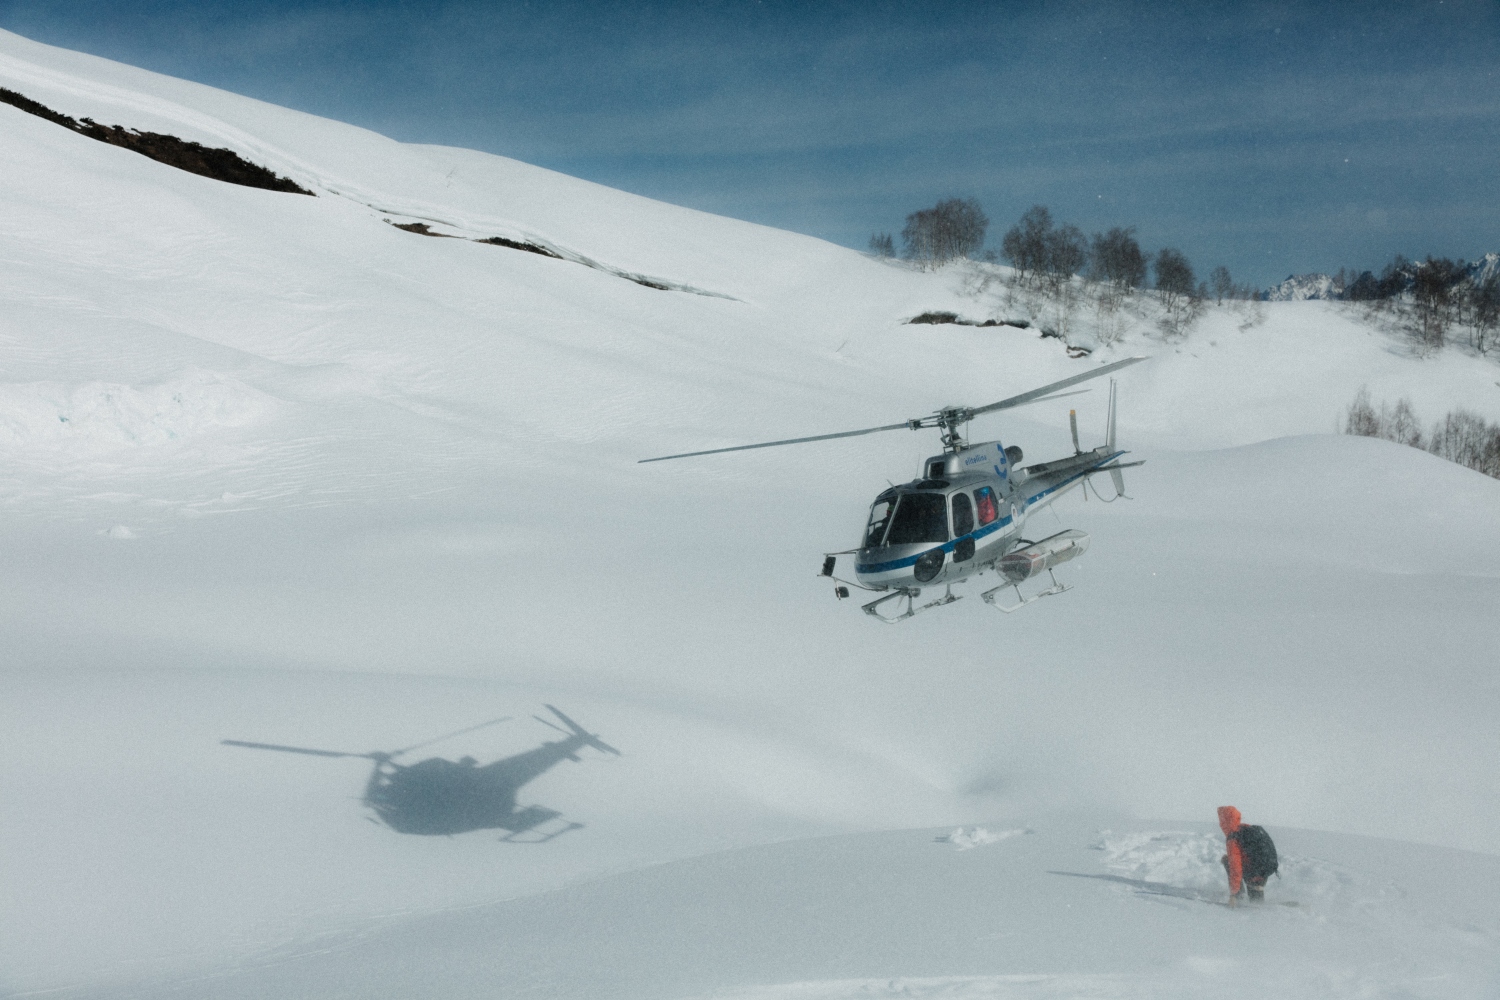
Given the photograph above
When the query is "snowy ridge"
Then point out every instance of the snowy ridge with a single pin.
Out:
(1482, 270)
(275, 471)
(1300, 287)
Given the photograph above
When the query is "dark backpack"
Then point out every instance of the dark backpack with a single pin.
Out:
(1257, 852)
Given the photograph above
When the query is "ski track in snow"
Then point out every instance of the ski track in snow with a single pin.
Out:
(273, 470)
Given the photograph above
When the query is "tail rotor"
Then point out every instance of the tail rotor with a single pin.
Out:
(578, 731)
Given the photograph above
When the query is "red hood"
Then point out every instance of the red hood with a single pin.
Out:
(1229, 819)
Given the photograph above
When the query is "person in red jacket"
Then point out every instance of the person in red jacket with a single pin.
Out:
(1234, 858)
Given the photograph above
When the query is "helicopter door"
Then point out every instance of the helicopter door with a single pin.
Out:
(984, 498)
(963, 524)
(880, 516)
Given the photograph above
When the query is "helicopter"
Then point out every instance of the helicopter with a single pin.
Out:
(910, 540)
(437, 797)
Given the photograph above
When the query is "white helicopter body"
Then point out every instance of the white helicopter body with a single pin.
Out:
(964, 513)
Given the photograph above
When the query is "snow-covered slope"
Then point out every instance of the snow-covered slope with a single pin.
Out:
(1064, 909)
(275, 470)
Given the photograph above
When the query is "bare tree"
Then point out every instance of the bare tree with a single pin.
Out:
(1361, 418)
(1364, 288)
(1115, 257)
(1432, 286)
(1465, 438)
(951, 229)
(1392, 423)
(1461, 436)
(1223, 284)
(1399, 424)
(1067, 253)
(1178, 288)
(1477, 306)
(881, 245)
(1024, 245)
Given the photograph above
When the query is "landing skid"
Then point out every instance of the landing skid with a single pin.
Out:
(1021, 600)
(540, 838)
(873, 608)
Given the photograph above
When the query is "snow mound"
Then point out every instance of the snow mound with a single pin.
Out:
(965, 840)
(94, 417)
(1173, 857)
(1191, 860)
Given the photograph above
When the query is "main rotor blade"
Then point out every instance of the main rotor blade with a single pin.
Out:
(920, 423)
(1036, 395)
(904, 425)
(306, 750)
(448, 736)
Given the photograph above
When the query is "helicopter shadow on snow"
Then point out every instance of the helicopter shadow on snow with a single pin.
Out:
(440, 797)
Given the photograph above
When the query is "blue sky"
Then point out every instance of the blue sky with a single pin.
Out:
(1270, 138)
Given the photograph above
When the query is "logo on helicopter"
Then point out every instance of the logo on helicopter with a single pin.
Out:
(945, 525)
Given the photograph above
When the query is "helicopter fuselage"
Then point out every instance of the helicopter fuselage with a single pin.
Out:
(444, 797)
(962, 514)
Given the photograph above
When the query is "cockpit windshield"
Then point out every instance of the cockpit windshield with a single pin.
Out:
(920, 517)
(880, 516)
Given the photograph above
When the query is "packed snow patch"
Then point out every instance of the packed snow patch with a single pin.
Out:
(1033, 987)
(964, 840)
(94, 417)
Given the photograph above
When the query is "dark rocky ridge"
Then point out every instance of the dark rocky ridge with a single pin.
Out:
(936, 318)
(196, 158)
(422, 229)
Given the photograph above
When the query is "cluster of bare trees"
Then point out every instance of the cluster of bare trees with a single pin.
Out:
(952, 229)
(1432, 296)
(1462, 436)
(1049, 256)
(1223, 287)
(1043, 253)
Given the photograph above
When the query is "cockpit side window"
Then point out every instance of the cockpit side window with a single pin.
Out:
(880, 516)
(920, 517)
(984, 499)
(963, 514)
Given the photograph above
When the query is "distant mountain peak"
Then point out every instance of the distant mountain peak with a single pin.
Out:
(1298, 287)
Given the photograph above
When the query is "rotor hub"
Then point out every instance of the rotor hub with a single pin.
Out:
(950, 422)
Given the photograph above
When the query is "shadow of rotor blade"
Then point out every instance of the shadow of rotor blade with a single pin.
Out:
(1156, 888)
(551, 725)
(306, 750)
(449, 736)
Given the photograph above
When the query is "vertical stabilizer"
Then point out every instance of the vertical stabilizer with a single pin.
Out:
(1109, 436)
